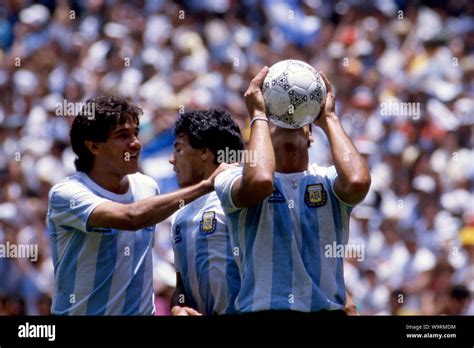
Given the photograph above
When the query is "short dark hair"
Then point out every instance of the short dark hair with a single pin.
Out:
(213, 129)
(108, 112)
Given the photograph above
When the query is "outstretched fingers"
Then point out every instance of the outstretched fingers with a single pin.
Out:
(257, 81)
(329, 87)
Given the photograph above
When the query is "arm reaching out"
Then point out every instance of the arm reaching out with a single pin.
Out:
(152, 210)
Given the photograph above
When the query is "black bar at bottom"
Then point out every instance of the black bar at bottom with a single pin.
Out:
(290, 330)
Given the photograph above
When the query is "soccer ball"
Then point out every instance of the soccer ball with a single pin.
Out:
(294, 93)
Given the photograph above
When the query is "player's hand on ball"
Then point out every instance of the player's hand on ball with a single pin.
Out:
(328, 108)
(254, 96)
(184, 311)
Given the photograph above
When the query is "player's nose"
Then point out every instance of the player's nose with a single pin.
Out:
(135, 144)
(171, 160)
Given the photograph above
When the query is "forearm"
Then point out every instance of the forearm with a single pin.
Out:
(257, 177)
(350, 165)
(263, 167)
(155, 209)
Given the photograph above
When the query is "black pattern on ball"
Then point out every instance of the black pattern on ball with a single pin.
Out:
(282, 80)
(287, 118)
(317, 95)
(296, 99)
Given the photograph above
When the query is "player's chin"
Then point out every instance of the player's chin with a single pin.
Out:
(181, 181)
(131, 167)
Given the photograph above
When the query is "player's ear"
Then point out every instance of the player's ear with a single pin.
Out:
(206, 154)
(92, 146)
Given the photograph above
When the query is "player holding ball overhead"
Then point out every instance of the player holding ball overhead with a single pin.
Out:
(283, 211)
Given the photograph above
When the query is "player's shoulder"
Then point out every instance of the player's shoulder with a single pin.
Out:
(209, 201)
(69, 185)
(144, 180)
(212, 198)
(231, 172)
(182, 213)
(316, 170)
(226, 177)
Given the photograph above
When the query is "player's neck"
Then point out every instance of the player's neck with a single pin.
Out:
(111, 182)
(291, 160)
(208, 170)
(206, 173)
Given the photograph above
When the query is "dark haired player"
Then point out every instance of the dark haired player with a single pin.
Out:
(206, 273)
(102, 218)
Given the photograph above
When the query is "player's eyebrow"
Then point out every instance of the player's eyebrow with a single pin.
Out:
(125, 129)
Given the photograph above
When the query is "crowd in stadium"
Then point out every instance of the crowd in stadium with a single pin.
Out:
(416, 227)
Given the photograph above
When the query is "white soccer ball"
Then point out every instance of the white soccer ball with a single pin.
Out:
(294, 93)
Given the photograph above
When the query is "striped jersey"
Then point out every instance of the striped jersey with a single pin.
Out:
(203, 256)
(99, 271)
(287, 244)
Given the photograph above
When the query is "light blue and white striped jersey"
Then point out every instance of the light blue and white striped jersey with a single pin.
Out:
(99, 271)
(203, 256)
(283, 241)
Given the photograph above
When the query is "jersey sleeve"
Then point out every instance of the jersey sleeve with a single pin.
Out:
(223, 186)
(331, 175)
(71, 204)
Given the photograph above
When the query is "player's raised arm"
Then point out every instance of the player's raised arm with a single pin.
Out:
(353, 180)
(256, 182)
(149, 211)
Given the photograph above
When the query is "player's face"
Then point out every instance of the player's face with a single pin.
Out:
(283, 138)
(187, 162)
(121, 151)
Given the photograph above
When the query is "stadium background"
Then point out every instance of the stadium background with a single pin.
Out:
(416, 225)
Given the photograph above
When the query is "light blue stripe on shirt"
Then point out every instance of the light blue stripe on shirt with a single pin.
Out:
(66, 274)
(282, 295)
(285, 245)
(97, 303)
(92, 272)
(204, 257)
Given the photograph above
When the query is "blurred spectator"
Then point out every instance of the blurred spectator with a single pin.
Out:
(376, 295)
(43, 305)
(457, 301)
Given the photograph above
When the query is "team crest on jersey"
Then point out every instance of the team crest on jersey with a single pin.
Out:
(208, 222)
(315, 195)
(276, 196)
